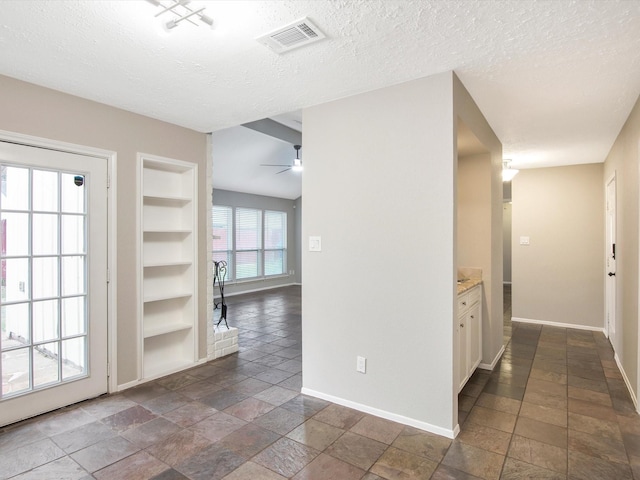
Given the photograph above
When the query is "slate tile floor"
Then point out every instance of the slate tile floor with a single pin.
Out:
(555, 407)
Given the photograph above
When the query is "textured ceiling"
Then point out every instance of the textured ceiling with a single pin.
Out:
(556, 79)
(238, 153)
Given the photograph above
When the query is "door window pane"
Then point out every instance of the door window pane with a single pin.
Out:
(45, 364)
(53, 248)
(15, 188)
(45, 277)
(72, 193)
(74, 362)
(15, 279)
(15, 234)
(73, 280)
(73, 234)
(73, 316)
(15, 325)
(45, 320)
(45, 191)
(45, 234)
(15, 371)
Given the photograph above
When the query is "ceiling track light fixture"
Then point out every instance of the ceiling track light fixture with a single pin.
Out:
(181, 11)
(507, 172)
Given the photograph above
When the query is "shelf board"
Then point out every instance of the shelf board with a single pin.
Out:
(163, 231)
(164, 329)
(168, 296)
(175, 199)
(185, 263)
(164, 166)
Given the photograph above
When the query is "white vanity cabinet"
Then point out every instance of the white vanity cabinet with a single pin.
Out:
(469, 330)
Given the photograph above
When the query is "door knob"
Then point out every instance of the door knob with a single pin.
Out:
(611, 274)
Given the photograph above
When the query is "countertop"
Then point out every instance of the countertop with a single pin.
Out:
(468, 284)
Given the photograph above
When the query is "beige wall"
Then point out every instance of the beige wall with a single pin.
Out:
(37, 111)
(379, 188)
(624, 161)
(506, 242)
(466, 110)
(559, 277)
(474, 232)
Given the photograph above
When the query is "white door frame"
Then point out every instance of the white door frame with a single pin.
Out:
(111, 157)
(610, 268)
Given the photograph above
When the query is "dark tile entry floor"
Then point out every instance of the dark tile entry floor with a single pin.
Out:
(555, 407)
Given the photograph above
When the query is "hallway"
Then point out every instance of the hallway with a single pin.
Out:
(555, 407)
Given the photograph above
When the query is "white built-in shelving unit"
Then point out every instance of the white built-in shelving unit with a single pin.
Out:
(168, 277)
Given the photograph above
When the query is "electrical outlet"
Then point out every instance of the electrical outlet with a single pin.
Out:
(361, 364)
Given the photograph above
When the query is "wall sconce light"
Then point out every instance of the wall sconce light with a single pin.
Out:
(507, 172)
(180, 11)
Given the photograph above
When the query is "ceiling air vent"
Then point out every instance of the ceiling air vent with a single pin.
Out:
(298, 34)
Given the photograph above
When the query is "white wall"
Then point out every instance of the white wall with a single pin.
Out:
(378, 188)
(559, 277)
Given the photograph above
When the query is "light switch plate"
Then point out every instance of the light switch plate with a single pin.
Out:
(315, 244)
(524, 240)
(361, 364)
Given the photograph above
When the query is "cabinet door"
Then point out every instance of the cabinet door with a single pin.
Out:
(463, 355)
(473, 325)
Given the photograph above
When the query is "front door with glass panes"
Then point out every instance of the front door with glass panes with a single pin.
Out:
(53, 258)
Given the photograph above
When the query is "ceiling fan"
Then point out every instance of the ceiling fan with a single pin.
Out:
(296, 166)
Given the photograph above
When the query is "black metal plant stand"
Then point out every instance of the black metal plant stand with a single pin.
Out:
(219, 274)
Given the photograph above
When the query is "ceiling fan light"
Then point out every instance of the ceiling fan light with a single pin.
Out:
(297, 165)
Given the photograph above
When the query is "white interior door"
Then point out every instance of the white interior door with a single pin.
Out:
(53, 333)
(611, 259)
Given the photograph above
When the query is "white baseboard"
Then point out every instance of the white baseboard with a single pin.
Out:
(557, 324)
(140, 381)
(626, 381)
(384, 414)
(491, 366)
(125, 386)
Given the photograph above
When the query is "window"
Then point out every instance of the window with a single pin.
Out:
(223, 236)
(275, 243)
(253, 242)
(248, 243)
